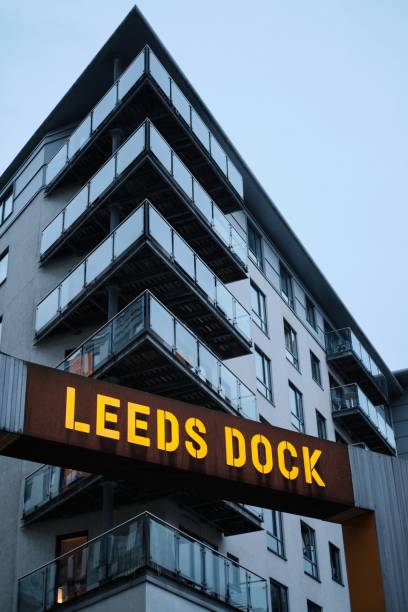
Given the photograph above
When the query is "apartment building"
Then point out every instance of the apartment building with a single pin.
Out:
(137, 247)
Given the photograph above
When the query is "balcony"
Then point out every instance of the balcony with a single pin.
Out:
(364, 421)
(146, 86)
(144, 252)
(144, 544)
(145, 166)
(54, 492)
(145, 347)
(350, 358)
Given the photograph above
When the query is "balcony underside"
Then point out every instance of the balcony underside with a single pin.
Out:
(148, 101)
(229, 517)
(361, 429)
(146, 267)
(351, 369)
(145, 179)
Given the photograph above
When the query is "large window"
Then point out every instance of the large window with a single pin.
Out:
(279, 597)
(291, 344)
(274, 532)
(71, 570)
(3, 266)
(310, 313)
(296, 408)
(258, 303)
(263, 374)
(335, 562)
(6, 207)
(312, 607)
(310, 563)
(315, 367)
(321, 426)
(286, 286)
(255, 246)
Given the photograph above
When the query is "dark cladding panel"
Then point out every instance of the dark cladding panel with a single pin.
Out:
(13, 379)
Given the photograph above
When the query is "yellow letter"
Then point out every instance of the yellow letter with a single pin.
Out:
(230, 433)
(266, 467)
(293, 473)
(102, 416)
(134, 424)
(173, 443)
(191, 426)
(309, 462)
(70, 422)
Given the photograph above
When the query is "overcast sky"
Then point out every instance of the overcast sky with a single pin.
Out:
(313, 94)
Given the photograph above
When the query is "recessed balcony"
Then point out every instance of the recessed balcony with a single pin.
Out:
(146, 87)
(354, 363)
(144, 252)
(363, 421)
(145, 543)
(145, 166)
(145, 347)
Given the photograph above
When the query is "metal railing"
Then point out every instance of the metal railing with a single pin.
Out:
(145, 62)
(147, 314)
(146, 137)
(351, 397)
(175, 248)
(144, 541)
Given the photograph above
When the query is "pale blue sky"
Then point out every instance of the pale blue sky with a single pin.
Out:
(313, 94)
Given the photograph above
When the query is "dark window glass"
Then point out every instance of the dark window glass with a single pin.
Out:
(296, 408)
(258, 303)
(255, 246)
(279, 597)
(286, 286)
(335, 562)
(321, 426)
(309, 551)
(274, 532)
(315, 366)
(291, 344)
(312, 607)
(310, 313)
(71, 570)
(1, 327)
(6, 207)
(263, 374)
(3, 266)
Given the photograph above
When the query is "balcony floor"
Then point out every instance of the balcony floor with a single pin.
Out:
(353, 371)
(361, 429)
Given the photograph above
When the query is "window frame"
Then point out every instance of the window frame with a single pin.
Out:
(260, 384)
(313, 560)
(277, 535)
(4, 255)
(300, 413)
(283, 589)
(315, 363)
(320, 419)
(291, 344)
(313, 607)
(260, 320)
(338, 563)
(257, 256)
(310, 313)
(8, 195)
(286, 279)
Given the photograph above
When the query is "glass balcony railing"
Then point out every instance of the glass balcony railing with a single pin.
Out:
(140, 543)
(351, 397)
(147, 314)
(47, 483)
(146, 137)
(144, 221)
(343, 341)
(114, 97)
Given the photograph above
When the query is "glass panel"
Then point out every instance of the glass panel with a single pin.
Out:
(159, 74)
(161, 322)
(129, 231)
(203, 201)
(225, 301)
(128, 324)
(36, 489)
(200, 129)
(47, 309)
(126, 551)
(190, 560)
(104, 108)
(221, 225)
(208, 369)
(235, 178)
(79, 137)
(247, 402)
(99, 260)
(237, 586)
(229, 386)
(72, 286)
(186, 345)
(73, 363)
(56, 164)
(205, 279)
(130, 149)
(160, 148)
(96, 350)
(76, 207)
(162, 551)
(51, 233)
(215, 575)
(160, 230)
(31, 592)
(131, 75)
(180, 102)
(184, 255)
(218, 154)
(238, 246)
(182, 176)
(242, 320)
(8, 206)
(102, 179)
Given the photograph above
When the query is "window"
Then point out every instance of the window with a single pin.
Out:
(312, 607)
(291, 344)
(255, 246)
(296, 408)
(311, 313)
(321, 426)
(315, 366)
(286, 286)
(71, 570)
(279, 596)
(1, 327)
(274, 532)
(263, 374)
(258, 303)
(3, 266)
(6, 207)
(335, 563)
(309, 551)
